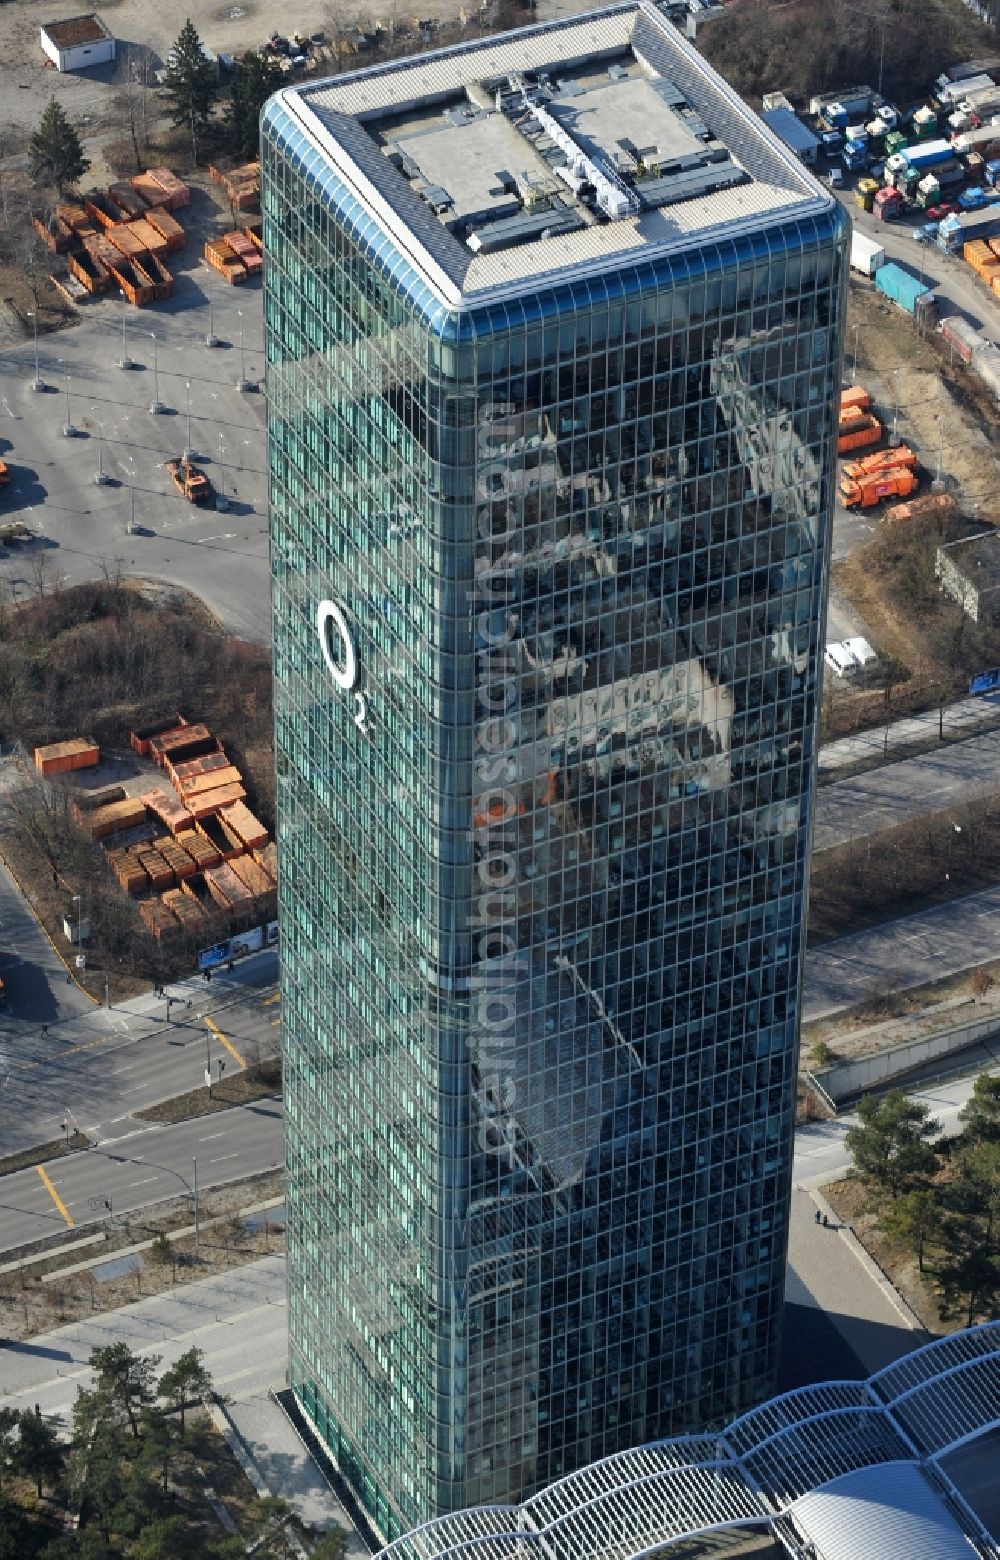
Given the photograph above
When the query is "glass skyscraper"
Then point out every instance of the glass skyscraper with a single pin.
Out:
(553, 333)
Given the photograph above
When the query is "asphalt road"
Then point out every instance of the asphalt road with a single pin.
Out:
(957, 288)
(38, 987)
(96, 1069)
(81, 528)
(140, 1167)
(947, 777)
(927, 946)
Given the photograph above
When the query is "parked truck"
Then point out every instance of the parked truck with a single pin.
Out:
(190, 480)
(898, 482)
(866, 254)
(881, 460)
(909, 292)
(888, 204)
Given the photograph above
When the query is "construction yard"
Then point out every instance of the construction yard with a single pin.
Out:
(883, 585)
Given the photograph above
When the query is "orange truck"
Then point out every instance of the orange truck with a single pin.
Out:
(190, 481)
(881, 460)
(858, 432)
(898, 482)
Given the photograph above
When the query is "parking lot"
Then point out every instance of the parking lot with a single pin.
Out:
(81, 527)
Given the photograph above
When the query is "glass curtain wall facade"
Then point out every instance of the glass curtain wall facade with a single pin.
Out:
(543, 834)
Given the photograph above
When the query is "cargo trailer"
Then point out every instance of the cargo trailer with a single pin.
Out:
(866, 254)
(909, 292)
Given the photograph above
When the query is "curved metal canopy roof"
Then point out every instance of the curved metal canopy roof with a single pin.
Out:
(858, 1447)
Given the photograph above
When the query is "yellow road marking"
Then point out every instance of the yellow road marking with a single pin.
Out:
(71, 1050)
(268, 1000)
(275, 1021)
(47, 1183)
(217, 1032)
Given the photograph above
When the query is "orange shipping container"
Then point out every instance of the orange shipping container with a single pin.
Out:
(225, 887)
(855, 396)
(157, 919)
(150, 237)
(169, 810)
(120, 815)
(60, 757)
(152, 193)
(185, 768)
(244, 825)
(858, 437)
(126, 199)
(174, 188)
(209, 802)
(167, 226)
(124, 239)
(197, 785)
(174, 743)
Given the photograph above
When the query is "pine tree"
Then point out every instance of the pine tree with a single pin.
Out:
(185, 1381)
(256, 76)
(40, 1455)
(56, 151)
(190, 84)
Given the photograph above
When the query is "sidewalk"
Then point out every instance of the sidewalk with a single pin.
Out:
(826, 1273)
(960, 720)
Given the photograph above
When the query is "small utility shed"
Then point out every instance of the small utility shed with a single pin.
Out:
(788, 127)
(78, 42)
(969, 570)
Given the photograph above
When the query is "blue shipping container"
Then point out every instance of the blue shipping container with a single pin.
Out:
(900, 286)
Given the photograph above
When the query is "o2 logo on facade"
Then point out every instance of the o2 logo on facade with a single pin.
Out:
(344, 668)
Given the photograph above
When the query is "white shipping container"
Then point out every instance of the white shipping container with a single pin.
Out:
(866, 254)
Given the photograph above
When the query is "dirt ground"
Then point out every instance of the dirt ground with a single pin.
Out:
(936, 410)
(29, 1307)
(920, 1291)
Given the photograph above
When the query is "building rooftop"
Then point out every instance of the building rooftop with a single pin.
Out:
(77, 30)
(840, 1469)
(564, 145)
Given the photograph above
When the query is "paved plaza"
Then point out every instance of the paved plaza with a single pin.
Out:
(81, 527)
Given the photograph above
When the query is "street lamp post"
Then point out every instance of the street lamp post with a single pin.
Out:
(78, 901)
(211, 340)
(221, 501)
(895, 407)
(241, 383)
(854, 359)
(131, 497)
(156, 406)
(36, 383)
(189, 447)
(101, 478)
(69, 432)
(197, 1221)
(125, 361)
(940, 454)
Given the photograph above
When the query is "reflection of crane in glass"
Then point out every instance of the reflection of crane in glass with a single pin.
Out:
(561, 962)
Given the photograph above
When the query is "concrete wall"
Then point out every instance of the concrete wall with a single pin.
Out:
(845, 1079)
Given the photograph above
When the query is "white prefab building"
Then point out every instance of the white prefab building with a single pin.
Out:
(78, 43)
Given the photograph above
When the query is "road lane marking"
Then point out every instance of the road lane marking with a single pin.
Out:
(222, 1159)
(217, 1032)
(267, 1002)
(47, 1183)
(220, 536)
(211, 1135)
